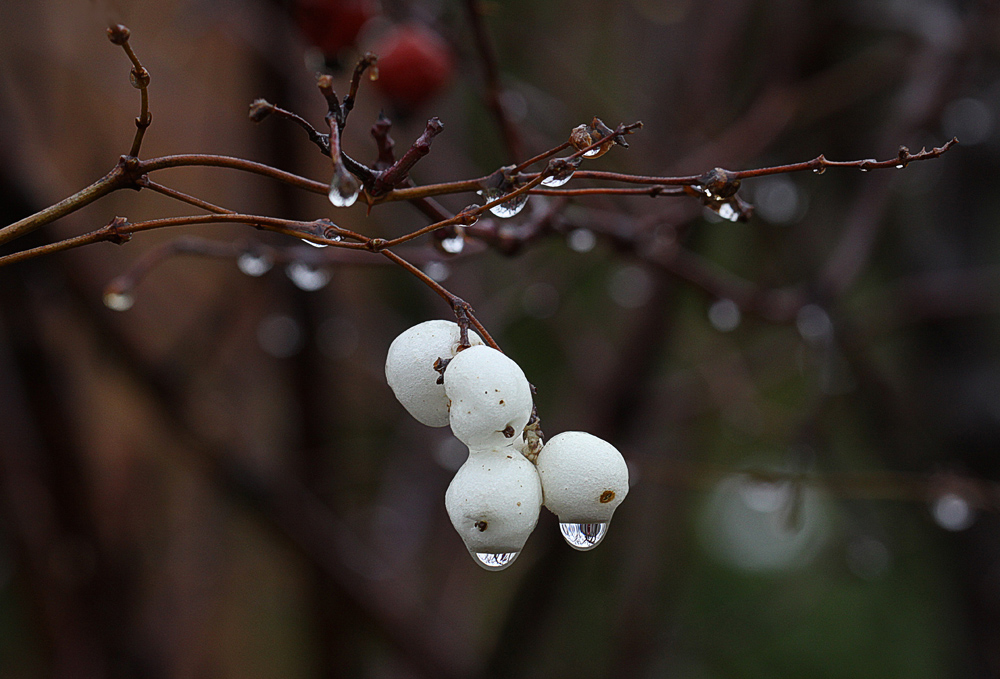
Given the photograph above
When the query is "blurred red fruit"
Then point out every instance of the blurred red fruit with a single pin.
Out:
(332, 25)
(414, 65)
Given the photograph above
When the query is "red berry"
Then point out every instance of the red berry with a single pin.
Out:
(414, 65)
(332, 25)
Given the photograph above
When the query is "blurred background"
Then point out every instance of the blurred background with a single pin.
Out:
(217, 482)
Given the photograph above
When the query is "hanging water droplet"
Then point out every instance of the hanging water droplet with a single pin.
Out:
(344, 189)
(727, 211)
(900, 166)
(314, 243)
(453, 245)
(495, 562)
(253, 264)
(819, 170)
(583, 536)
(508, 208)
(596, 151)
(471, 208)
(307, 277)
(118, 301)
(558, 179)
(864, 169)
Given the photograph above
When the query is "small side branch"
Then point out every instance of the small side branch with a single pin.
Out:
(397, 174)
(139, 77)
(462, 309)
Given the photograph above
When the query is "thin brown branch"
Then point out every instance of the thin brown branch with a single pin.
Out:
(148, 183)
(463, 310)
(542, 156)
(387, 180)
(261, 108)
(384, 143)
(655, 190)
(491, 75)
(201, 159)
(139, 77)
(366, 62)
(112, 181)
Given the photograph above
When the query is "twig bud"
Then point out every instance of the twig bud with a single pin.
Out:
(118, 34)
(260, 109)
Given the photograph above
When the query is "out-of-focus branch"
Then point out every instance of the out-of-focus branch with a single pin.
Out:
(491, 75)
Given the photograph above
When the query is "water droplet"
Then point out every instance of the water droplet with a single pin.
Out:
(454, 245)
(596, 151)
(900, 166)
(307, 277)
(508, 208)
(438, 271)
(583, 536)
(344, 189)
(778, 200)
(724, 315)
(495, 562)
(581, 240)
(557, 179)
(727, 211)
(314, 243)
(118, 301)
(814, 323)
(864, 169)
(952, 512)
(470, 208)
(819, 170)
(253, 264)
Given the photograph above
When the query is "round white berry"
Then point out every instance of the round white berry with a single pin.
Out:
(409, 368)
(490, 398)
(584, 478)
(493, 503)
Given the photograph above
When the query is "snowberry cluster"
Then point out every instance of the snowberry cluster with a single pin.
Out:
(495, 497)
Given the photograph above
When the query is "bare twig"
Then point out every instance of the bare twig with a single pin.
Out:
(494, 100)
(388, 179)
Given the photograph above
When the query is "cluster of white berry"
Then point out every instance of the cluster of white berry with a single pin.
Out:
(495, 497)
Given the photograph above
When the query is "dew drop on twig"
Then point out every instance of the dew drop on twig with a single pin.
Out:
(508, 208)
(344, 190)
(470, 208)
(727, 211)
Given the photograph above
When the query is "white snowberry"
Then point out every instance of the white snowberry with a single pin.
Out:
(490, 398)
(493, 502)
(409, 368)
(584, 479)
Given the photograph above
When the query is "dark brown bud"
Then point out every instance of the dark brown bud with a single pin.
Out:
(260, 109)
(118, 34)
